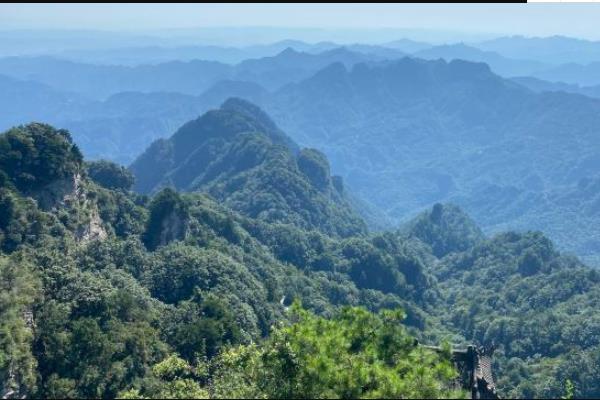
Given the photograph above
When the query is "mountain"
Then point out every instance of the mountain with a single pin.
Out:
(107, 293)
(407, 45)
(25, 101)
(445, 228)
(120, 127)
(581, 74)
(239, 156)
(409, 133)
(293, 66)
(185, 77)
(101, 81)
(517, 292)
(134, 56)
(552, 50)
(539, 85)
(499, 64)
(117, 111)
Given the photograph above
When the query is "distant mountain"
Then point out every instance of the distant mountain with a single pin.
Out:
(186, 77)
(553, 49)
(293, 66)
(539, 85)
(26, 101)
(409, 133)
(407, 45)
(101, 81)
(499, 64)
(120, 127)
(586, 75)
(115, 111)
(240, 157)
(134, 56)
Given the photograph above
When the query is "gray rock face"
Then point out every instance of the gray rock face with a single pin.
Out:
(58, 193)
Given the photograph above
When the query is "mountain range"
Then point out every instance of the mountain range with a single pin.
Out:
(403, 133)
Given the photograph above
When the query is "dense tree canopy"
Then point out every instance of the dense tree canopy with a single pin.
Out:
(111, 293)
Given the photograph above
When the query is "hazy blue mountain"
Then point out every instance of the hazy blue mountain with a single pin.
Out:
(120, 127)
(408, 45)
(133, 56)
(155, 54)
(586, 75)
(552, 49)
(499, 64)
(186, 77)
(100, 81)
(292, 66)
(540, 85)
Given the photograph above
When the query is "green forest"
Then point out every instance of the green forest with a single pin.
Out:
(227, 262)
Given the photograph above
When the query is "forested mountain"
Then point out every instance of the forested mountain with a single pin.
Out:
(108, 293)
(445, 228)
(239, 156)
(118, 294)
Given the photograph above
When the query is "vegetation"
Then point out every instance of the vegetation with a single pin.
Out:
(355, 354)
(239, 156)
(109, 293)
(110, 175)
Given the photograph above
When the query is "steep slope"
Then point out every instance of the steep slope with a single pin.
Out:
(239, 156)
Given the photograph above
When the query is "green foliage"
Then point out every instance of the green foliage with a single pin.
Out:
(445, 228)
(356, 354)
(178, 295)
(238, 156)
(110, 175)
(19, 288)
(315, 166)
(537, 306)
(569, 390)
(35, 155)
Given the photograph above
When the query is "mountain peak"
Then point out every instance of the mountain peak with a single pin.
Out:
(288, 51)
(446, 228)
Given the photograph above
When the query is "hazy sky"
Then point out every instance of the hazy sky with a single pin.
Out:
(579, 20)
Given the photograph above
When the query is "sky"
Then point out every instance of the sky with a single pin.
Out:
(533, 19)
